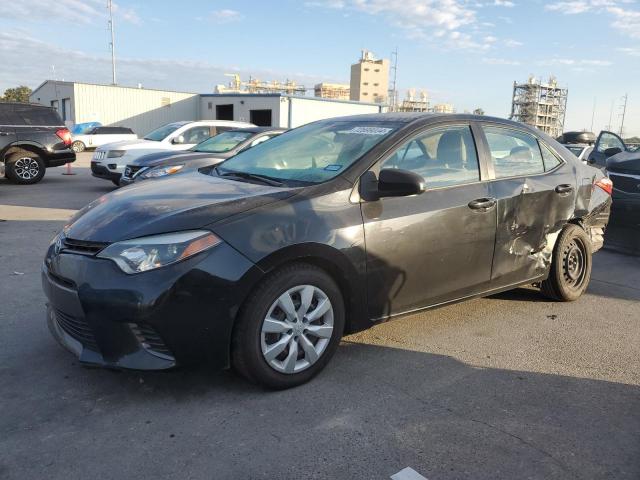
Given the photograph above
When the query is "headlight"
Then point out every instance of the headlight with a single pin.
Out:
(116, 153)
(162, 171)
(147, 253)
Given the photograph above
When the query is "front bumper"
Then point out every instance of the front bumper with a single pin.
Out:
(102, 171)
(179, 314)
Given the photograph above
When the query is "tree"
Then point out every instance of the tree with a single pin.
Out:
(478, 111)
(18, 94)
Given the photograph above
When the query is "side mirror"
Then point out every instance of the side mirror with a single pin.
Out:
(391, 182)
(178, 140)
(610, 152)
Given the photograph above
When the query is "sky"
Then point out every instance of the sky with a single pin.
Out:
(465, 52)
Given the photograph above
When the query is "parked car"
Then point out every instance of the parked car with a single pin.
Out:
(110, 160)
(580, 151)
(264, 261)
(624, 170)
(208, 153)
(32, 138)
(99, 136)
(607, 145)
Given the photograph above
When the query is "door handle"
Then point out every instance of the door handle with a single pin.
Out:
(482, 203)
(564, 189)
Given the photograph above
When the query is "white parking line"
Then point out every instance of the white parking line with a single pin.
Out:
(407, 474)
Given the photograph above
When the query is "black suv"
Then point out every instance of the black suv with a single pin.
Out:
(32, 138)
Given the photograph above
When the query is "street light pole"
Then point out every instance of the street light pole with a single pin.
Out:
(113, 43)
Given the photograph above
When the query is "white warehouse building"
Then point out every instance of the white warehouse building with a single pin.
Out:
(143, 109)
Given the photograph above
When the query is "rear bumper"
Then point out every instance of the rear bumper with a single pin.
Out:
(60, 158)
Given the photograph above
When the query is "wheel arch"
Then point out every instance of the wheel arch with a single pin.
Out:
(24, 147)
(338, 267)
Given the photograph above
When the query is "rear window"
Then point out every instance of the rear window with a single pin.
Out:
(17, 114)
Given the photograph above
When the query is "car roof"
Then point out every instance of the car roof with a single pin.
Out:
(258, 129)
(419, 117)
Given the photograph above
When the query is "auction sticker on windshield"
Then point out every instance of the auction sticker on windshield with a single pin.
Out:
(368, 130)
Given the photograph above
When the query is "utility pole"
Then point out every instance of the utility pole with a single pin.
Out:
(593, 113)
(610, 127)
(394, 67)
(624, 111)
(113, 43)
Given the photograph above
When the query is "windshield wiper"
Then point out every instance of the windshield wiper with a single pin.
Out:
(251, 176)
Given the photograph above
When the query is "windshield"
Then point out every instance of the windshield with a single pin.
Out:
(161, 133)
(222, 142)
(313, 153)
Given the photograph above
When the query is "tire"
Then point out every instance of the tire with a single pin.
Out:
(570, 271)
(263, 350)
(78, 146)
(25, 168)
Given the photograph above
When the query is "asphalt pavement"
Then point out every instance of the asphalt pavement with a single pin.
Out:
(507, 387)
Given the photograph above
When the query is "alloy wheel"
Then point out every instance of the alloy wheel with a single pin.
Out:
(297, 329)
(26, 168)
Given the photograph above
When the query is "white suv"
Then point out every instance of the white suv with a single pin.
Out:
(99, 136)
(110, 160)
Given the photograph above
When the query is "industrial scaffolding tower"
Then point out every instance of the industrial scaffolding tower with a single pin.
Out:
(541, 105)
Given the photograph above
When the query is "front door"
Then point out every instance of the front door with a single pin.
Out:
(535, 191)
(605, 140)
(426, 249)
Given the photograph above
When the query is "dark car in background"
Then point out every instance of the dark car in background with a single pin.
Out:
(264, 261)
(607, 145)
(207, 153)
(32, 139)
(623, 169)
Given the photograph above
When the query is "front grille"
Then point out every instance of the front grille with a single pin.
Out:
(78, 329)
(82, 247)
(150, 339)
(626, 183)
(100, 155)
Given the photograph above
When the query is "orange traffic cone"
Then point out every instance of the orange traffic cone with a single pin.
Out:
(68, 172)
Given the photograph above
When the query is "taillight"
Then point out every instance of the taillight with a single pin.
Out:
(605, 184)
(65, 135)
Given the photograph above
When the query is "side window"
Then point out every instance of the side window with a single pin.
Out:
(514, 153)
(196, 134)
(609, 140)
(443, 156)
(216, 130)
(549, 158)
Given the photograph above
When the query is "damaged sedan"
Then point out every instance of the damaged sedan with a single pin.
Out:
(263, 262)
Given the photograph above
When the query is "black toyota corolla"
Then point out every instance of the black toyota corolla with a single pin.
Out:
(264, 261)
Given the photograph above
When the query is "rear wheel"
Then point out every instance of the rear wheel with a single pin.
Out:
(289, 328)
(78, 146)
(570, 271)
(25, 168)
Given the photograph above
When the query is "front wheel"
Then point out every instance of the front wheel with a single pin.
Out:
(570, 271)
(289, 328)
(25, 168)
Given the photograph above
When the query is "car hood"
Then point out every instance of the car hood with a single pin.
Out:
(189, 201)
(163, 158)
(624, 162)
(136, 144)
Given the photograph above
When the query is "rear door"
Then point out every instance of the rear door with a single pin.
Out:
(434, 247)
(7, 127)
(605, 140)
(535, 190)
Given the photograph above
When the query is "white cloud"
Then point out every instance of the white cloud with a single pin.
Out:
(500, 61)
(31, 61)
(625, 20)
(226, 16)
(633, 51)
(72, 11)
(449, 23)
(570, 62)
